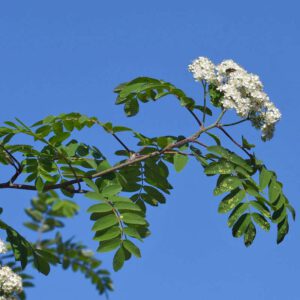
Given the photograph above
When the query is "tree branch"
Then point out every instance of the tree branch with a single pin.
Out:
(135, 159)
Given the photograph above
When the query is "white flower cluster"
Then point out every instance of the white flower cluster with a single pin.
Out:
(10, 282)
(203, 69)
(241, 91)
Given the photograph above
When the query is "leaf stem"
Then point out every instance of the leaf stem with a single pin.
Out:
(204, 100)
(235, 123)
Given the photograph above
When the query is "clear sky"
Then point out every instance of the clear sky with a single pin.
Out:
(63, 56)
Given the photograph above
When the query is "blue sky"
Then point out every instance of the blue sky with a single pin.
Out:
(64, 56)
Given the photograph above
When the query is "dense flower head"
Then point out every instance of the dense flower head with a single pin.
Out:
(10, 282)
(241, 91)
(3, 248)
(203, 69)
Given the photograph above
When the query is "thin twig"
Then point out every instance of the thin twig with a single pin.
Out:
(12, 160)
(196, 118)
(234, 141)
(178, 152)
(235, 123)
(15, 163)
(204, 101)
(200, 143)
(121, 142)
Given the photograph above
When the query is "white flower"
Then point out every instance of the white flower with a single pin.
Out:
(3, 248)
(242, 91)
(10, 282)
(203, 69)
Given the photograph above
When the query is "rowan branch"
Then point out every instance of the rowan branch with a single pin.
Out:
(135, 159)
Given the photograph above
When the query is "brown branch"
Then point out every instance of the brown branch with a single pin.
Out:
(133, 160)
(16, 175)
(138, 158)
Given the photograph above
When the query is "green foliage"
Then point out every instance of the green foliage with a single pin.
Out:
(117, 219)
(122, 192)
(24, 251)
(145, 89)
(246, 199)
(76, 256)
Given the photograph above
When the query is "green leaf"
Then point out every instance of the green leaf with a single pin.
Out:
(246, 144)
(241, 225)
(132, 248)
(91, 184)
(215, 95)
(230, 156)
(39, 184)
(274, 190)
(231, 200)
(263, 209)
(120, 129)
(41, 264)
(264, 178)
(111, 233)
(292, 211)
(180, 161)
(261, 221)
(111, 190)
(110, 245)
(218, 150)
(127, 205)
(131, 107)
(130, 218)
(105, 222)
(118, 260)
(131, 231)
(282, 230)
(239, 161)
(31, 226)
(215, 137)
(49, 256)
(279, 214)
(102, 207)
(95, 196)
(227, 184)
(203, 109)
(237, 212)
(155, 194)
(220, 167)
(249, 235)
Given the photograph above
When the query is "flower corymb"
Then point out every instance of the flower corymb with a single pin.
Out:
(241, 91)
(10, 282)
